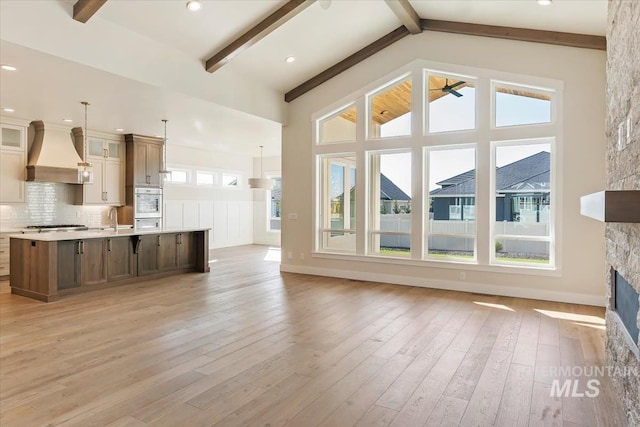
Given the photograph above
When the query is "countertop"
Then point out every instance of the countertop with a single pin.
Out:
(55, 236)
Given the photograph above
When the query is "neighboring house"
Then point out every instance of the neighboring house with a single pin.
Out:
(390, 195)
(522, 192)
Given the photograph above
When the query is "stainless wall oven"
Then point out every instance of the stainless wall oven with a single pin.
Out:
(147, 208)
(147, 203)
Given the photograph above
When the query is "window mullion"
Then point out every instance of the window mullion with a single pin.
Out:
(484, 206)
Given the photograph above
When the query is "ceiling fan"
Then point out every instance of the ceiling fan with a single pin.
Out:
(447, 88)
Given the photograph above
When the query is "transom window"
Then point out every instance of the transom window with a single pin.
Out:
(456, 165)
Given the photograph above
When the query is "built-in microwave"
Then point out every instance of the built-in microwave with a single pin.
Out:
(147, 203)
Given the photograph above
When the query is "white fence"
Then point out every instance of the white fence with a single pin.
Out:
(443, 234)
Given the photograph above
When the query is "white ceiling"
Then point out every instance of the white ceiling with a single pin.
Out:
(152, 54)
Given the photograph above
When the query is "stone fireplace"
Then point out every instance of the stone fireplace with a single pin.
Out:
(623, 173)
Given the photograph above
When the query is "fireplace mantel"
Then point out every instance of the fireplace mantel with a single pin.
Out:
(612, 206)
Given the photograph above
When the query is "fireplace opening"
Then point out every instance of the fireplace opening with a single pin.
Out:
(624, 302)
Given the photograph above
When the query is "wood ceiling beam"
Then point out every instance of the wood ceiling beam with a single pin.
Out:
(84, 9)
(522, 34)
(347, 63)
(407, 15)
(255, 34)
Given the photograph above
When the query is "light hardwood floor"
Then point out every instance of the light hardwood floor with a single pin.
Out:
(246, 345)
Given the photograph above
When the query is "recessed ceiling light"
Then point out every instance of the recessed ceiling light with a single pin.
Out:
(119, 130)
(8, 110)
(8, 67)
(194, 5)
(544, 2)
(68, 120)
(290, 59)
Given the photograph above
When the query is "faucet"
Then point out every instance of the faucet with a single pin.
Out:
(113, 215)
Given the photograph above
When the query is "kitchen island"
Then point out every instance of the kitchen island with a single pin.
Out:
(45, 266)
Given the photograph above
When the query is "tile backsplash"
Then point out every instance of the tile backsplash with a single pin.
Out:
(50, 203)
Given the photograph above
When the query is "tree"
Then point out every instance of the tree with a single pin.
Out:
(396, 209)
(407, 209)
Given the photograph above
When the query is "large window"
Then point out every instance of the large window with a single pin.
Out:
(338, 206)
(451, 103)
(456, 165)
(451, 181)
(390, 111)
(338, 127)
(522, 203)
(390, 210)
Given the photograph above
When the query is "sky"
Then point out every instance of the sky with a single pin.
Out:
(452, 113)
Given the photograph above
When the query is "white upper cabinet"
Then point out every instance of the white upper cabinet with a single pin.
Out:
(13, 161)
(107, 157)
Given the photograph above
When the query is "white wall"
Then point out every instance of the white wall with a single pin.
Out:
(261, 212)
(228, 211)
(582, 153)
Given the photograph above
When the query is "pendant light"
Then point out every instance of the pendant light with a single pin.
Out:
(261, 183)
(165, 174)
(85, 169)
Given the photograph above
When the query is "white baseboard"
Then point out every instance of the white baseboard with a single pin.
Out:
(481, 288)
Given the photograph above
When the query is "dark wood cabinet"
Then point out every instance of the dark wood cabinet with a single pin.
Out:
(81, 262)
(186, 250)
(168, 251)
(154, 164)
(30, 266)
(120, 260)
(177, 250)
(147, 250)
(43, 269)
(144, 161)
(93, 261)
(68, 264)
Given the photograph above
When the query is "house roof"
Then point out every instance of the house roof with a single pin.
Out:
(529, 174)
(390, 191)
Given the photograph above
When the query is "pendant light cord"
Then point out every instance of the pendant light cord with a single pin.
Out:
(84, 151)
(164, 146)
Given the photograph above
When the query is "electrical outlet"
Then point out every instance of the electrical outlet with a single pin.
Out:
(463, 275)
(290, 255)
(293, 216)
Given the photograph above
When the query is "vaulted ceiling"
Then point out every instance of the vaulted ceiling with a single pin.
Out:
(160, 48)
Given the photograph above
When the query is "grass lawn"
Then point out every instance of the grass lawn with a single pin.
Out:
(407, 253)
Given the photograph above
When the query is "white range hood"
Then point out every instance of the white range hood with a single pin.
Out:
(53, 157)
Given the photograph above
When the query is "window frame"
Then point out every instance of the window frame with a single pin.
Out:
(420, 139)
(426, 232)
(213, 175)
(554, 201)
(426, 120)
(323, 172)
(187, 174)
(369, 108)
(373, 193)
(320, 121)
